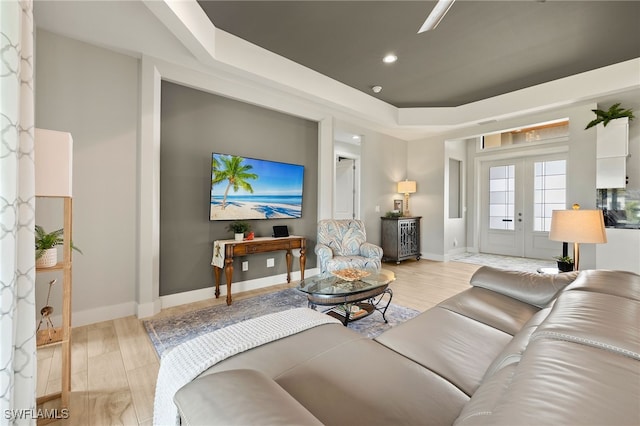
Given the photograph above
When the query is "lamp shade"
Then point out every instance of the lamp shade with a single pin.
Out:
(578, 226)
(407, 186)
(53, 152)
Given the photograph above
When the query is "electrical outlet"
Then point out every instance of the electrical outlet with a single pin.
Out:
(270, 262)
(245, 265)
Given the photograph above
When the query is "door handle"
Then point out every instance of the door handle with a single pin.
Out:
(507, 220)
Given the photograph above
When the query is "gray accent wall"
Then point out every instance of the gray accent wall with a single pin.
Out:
(193, 125)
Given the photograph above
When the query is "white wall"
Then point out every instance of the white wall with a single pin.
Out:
(426, 165)
(93, 94)
(383, 164)
(455, 229)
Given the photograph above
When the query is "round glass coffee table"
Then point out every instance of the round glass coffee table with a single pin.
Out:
(353, 294)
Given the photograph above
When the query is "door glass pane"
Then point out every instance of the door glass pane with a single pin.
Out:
(549, 192)
(502, 197)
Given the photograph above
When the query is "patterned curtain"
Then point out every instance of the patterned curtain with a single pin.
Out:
(17, 208)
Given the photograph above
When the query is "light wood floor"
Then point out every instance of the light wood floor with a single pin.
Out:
(114, 365)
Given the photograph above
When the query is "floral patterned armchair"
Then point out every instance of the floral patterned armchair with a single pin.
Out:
(343, 244)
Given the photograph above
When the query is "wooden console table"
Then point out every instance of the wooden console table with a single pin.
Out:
(258, 245)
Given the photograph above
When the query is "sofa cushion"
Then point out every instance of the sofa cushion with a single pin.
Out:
(451, 345)
(224, 398)
(343, 262)
(276, 357)
(344, 237)
(493, 309)
(559, 383)
(342, 377)
(600, 320)
(460, 338)
(362, 383)
(536, 289)
(601, 281)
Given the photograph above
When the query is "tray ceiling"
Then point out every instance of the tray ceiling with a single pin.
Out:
(481, 49)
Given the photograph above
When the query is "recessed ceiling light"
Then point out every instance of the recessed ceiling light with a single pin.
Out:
(376, 89)
(390, 58)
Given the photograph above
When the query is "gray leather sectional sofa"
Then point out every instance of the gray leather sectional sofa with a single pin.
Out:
(514, 349)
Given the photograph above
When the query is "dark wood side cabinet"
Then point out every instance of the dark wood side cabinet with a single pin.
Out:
(400, 238)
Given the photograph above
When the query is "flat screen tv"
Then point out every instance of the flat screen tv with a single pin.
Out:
(248, 188)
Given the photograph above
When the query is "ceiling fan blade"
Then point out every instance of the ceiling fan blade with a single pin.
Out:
(436, 15)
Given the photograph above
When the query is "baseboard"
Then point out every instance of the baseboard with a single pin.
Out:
(454, 252)
(433, 256)
(142, 310)
(99, 314)
(238, 287)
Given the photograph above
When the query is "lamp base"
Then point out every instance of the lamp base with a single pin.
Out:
(405, 211)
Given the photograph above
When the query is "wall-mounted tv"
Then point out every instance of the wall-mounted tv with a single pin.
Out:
(248, 188)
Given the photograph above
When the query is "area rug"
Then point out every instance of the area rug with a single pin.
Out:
(165, 333)
(505, 262)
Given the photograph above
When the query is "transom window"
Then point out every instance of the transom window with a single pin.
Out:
(544, 132)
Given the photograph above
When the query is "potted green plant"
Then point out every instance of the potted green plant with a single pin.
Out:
(46, 242)
(239, 227)
(604, 117)
(565, 263)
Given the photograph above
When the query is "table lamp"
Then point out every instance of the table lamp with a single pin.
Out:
(577, 226)
(53, 163)
(406, 187)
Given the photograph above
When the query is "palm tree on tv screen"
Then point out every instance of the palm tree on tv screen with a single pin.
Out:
(234, 172)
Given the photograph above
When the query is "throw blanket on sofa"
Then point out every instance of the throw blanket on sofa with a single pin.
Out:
(185, 362)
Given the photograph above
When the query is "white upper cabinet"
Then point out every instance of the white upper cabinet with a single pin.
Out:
(612, 148)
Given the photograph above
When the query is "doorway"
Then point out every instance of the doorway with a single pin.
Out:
(518, 196)
(346, 188)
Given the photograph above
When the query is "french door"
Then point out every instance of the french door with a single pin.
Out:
(517, 198)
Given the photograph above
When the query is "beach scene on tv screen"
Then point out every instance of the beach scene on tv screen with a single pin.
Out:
(249, 188)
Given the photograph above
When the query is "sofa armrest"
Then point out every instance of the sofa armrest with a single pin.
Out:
(371, 251)
(529, 287)
(324, 254)
(323, 250)
(239, 397)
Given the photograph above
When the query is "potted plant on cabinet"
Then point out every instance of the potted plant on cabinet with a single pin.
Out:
(46, 242)
(565, 263)
(239, 228)
(604, 117)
